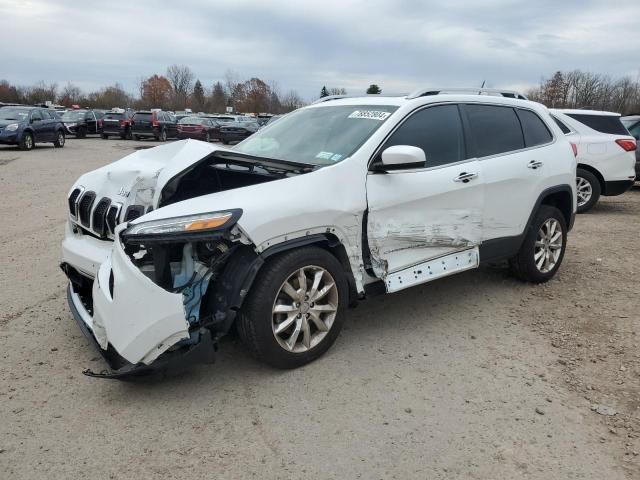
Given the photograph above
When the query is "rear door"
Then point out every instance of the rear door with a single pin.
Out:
(426, 213)
(514, 168)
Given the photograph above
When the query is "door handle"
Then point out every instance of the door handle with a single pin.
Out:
(465, 177)
(534, 164)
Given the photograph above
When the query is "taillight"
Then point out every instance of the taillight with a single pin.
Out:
(574, 147)
(627, 144)
(99, 123)
(154, 120)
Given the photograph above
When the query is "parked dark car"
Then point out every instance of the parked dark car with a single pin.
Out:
(83, 122)
(117, 123)
(157, 124)
(200, 128)
(632, 122)
(237, 131)
(26, 126)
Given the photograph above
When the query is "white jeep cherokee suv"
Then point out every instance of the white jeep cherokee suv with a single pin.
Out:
(168, 247)
(605, 150)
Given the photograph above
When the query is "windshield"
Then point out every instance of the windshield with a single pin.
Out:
(318, 136)
(18, 114)
(192, 121)
(73, 115)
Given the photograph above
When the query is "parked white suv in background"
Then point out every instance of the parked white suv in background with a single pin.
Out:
(606, 153)
(168, 247)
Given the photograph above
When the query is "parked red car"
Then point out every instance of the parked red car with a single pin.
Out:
(200, 128)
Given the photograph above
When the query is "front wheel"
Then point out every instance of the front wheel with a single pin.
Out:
(59, 142)
(543, 247)
(82, 132)
(105, 136)
(295, 309)
(588, 189)
(163, 135)
(27, 142)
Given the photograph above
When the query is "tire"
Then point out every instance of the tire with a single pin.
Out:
(128, 135)
(137, 137)
(82, 132)
(27, 142)
(540, 256)
(207, 138)
(589, 190)
(105, 136)
(225, 141)
(257, 320)
(163, 135)
(60, 139)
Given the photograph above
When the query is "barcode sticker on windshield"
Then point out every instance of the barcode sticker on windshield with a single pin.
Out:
(370, 114)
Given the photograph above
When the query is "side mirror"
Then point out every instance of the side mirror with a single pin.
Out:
(401, 157)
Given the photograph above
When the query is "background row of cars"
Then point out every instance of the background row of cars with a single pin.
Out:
(25, 126)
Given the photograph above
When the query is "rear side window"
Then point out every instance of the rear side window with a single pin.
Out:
(562, 126)
(601, 123)
(494, 129)
(534, 129)
(437, 131)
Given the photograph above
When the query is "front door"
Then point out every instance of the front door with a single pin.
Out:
(433, 212)
(39, 126)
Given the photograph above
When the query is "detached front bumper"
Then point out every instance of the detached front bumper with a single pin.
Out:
(136, 325)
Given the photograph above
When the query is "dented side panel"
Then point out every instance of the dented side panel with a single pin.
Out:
(417, 215)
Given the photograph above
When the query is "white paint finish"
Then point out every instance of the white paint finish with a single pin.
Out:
(432, 270)
(142, 320)
(599, 150)
(83, 252)
(403, 155)
(415, 215)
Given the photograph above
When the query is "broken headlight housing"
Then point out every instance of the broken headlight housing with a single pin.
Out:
(181, 228)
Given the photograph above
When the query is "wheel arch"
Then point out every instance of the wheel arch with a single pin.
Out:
(227, 297)
(595, 171)
(562, 199)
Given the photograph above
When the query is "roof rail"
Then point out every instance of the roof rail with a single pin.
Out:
(338, 97)
(479, 91)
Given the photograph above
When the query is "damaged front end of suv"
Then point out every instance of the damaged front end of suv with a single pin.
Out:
(150, 287)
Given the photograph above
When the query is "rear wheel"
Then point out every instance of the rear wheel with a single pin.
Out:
(163, 135)
(225, 141)
(295, 309)
(588, 189)
(543, 247)
(27, 141)
(137, 137)
(59, 142)
(105, 136)
(207, 138)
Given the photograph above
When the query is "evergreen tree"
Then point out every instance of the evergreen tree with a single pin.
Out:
(198, 96)
(323, 92)
(374, 89)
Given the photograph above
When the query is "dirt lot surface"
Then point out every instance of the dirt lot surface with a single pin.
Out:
(476, 376)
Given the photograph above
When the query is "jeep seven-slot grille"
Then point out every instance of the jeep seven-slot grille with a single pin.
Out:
(112, 218)
(133, 212)
(84, 208)
(99, 216)
(72, 201)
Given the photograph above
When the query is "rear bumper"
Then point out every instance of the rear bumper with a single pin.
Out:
(195, 135)
(617, 187)
(232, 137)
(114, 131)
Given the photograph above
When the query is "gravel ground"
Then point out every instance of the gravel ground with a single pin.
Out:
(475, 376)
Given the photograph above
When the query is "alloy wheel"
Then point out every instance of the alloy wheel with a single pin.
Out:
(28, 142)
(60, 138)
(548, 245)
(305, 309)
(585, 191)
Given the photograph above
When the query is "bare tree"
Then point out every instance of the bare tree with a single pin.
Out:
(181, 79)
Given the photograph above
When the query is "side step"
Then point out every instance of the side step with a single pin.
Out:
(432, 269)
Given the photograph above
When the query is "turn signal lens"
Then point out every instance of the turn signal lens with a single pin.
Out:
(207, 223)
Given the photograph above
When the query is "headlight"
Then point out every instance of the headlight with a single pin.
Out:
(177, 227)
(71, 124)
(12, 127)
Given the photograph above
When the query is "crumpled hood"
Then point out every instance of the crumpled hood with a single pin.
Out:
(138, 178)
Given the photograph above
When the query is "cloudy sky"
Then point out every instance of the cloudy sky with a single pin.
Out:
(299, 44)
